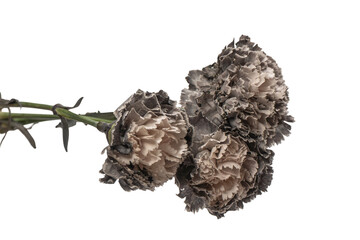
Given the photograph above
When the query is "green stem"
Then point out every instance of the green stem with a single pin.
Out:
(45, 117)
(25, 121)
(101, 117)
(5, 115)
(28, 118)
(93, 119)
(32, 105)
(98, 119)
(70, 115)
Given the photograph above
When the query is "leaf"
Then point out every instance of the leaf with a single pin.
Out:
(71, 123)
(5, 103)
(65, 124)
(65, 130)
(2, 140)
(25, 132)
(76, 104)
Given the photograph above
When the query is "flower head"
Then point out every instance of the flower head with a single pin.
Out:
(146, 143)
(243, 92)
(225, 172)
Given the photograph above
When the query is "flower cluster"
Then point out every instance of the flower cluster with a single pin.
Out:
(237, 108)
(217, 144)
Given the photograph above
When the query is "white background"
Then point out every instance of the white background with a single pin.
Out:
(57, 51)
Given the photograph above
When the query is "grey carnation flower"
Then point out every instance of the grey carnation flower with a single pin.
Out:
(244, 95)
(243, 92)
(224, 172)
(146, 143)
(220, 171)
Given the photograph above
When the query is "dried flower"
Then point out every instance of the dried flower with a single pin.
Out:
(225, 172)
(216, 145)
(146, 143)
(245, 96)
(243, 92)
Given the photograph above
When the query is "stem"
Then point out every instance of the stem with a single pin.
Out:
(25, 121)
(45, 117)
(11, 121)
(28, 118)
(5, 115)
(70, 115)
(100, 117)
(97, 120)
(32, 105)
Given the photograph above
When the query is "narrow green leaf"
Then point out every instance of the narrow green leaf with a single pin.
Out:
(25, 132)
(65, 131)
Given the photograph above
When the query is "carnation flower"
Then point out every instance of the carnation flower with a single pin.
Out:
(216, 145)
(146, 143)
(242, 92)
(244, 95)
(225, 172)
(220, 172)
